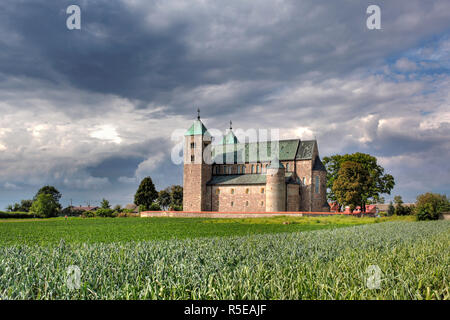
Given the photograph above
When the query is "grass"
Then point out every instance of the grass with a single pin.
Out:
(107, 230)
(414, 260)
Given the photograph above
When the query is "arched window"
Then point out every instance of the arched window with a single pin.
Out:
(316, 187)
(253, 168)
(257, 168)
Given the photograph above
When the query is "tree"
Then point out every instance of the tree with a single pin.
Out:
(398, 200)
(56, 195)
(380, 182)
(164, 198)
(391, 209)
(430, 205)
(45, 206)
(146, 194)
(352, 183)
(105, 204)
(23, 206)
(176, 192)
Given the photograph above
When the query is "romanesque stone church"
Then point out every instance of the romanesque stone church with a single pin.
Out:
(269, 176)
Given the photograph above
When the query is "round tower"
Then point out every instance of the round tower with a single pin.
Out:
(275, 187)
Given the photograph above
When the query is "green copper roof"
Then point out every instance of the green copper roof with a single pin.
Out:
(197, 128)
(230, 138)
(305, 150)
(255, 151)
(243, 179)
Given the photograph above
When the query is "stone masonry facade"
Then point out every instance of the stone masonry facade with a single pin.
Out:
(293, 179)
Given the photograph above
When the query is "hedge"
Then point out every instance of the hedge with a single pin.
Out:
(15, 215)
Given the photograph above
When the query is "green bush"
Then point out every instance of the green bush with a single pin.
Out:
(175, 207)
(102, 212)
(426, 212)
(15, 215)
(155, 207)
(88, 214)
(401, 210)
(391, 209)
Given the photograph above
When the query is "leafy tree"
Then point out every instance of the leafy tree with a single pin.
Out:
(155, 207)
(118, 208)
(176, 192)
(146, 194)
(164, 198)
(105, 204)
(391, 209)
(45, 206)
(398, 200)
(430, 205)
(23, 206)
(380, 183)
(352, 183)
(56, 195)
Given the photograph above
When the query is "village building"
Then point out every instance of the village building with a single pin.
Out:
(268, 176)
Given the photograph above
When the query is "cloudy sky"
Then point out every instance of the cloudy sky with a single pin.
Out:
(92, 111)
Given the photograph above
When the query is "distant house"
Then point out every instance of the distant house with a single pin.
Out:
(83, 209)
(132, 206)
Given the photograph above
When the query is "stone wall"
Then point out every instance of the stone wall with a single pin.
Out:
(293, 197)
(242, 198)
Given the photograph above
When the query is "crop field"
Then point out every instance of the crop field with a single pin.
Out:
(413, 258)
(79, 230)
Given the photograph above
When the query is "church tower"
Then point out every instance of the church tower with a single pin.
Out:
(197, 167)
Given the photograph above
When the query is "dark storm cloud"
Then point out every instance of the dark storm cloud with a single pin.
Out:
(122, 51)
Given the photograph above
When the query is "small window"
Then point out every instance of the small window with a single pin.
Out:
(246, 203)
(262, 190)
(247, 191)
(243, 169)
(262, 203)
(287, 167)
(257, 168)
(232, 191)
(192, 145)
(253, 168)
(232, 203)
(316, 187)
(192, 158)
(217, 191)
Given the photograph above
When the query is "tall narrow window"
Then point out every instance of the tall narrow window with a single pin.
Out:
(232, 191)
(287, 167)
(192, 158)
(239, 169)
(192, 145)
(316, 187)
(229, 170)
(304, 181)
(243, 169)
(253, 168)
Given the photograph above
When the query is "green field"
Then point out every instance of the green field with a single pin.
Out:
(414, 258)
(79, 230)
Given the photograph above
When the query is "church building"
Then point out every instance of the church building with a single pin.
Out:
(268, 176)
